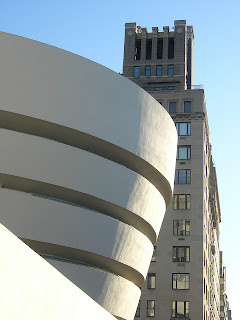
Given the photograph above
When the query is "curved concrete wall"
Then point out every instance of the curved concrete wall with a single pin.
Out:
(87, 166)
(32, 289)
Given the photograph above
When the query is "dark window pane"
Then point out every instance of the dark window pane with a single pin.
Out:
(137, 49)
(187, 106)
(189, 128)
(136, 72)
(170, 69)
(182, 201)
(159, 71)
(148, 71)
(187, 227)
(154, 254)
(188, 201)
(181, 254)
(183, 152)
(149, 49)
(170, 48)
(180, 309)
(182, 176)
(150, 308)
(172, 107)
(181, 227)
(188, 176)
(183, 128)
(175, 227)
(151, 284)
(163, 88)
(159, 48)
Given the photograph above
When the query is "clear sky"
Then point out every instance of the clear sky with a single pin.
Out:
(95, 30)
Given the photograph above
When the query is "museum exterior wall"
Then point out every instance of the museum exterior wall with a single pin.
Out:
(32, 289)
(87, 168)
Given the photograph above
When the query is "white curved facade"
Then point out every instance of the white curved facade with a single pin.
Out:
(87, 168)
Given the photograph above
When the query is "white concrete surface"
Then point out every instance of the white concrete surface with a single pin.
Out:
(73, 131)
(32, 289)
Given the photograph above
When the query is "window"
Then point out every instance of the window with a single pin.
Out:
(187, 106)
(181, 227)
(181, 254)
(150, 308)
(159, 48)
(151, 282)
(170, 48)
(137, 314)
(149, 49)
(137, 49)
(180, 281)
(172, 107)
(136, 72)
(182, 176)
(180, 309)
(170, 70)
(182, 201)
(183, 128)
(163, 88)
(159, 71)
(148, 71)
(183, 152)
(154, 254)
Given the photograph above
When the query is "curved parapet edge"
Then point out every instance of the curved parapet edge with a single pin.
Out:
(73, 197)
(84, 141)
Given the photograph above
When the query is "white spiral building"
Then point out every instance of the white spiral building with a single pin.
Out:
(86, 170)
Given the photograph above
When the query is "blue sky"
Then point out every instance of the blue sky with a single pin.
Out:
(95, 30)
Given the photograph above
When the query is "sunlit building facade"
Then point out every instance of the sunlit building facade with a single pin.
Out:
(183, 280)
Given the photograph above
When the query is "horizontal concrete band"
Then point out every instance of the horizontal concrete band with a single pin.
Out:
(73, 197)
(87, 142)
(55, 222)
(81, 257)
